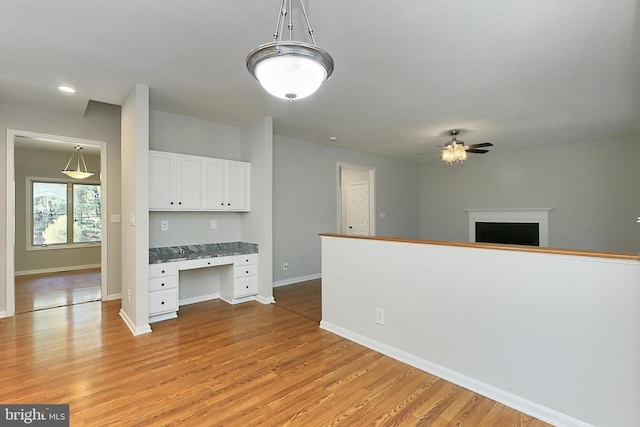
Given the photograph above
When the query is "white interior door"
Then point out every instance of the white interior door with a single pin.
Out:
(358, 214)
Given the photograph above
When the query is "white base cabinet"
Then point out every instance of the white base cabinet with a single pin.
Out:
(163, 291)
(238, 282)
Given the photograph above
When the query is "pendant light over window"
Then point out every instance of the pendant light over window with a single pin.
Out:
(81, 171)
(290, 69)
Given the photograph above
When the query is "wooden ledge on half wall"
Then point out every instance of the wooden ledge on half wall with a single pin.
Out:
(499, 246)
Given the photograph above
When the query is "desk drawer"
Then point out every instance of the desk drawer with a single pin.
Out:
(161, 301)
(160, 283)
(247, 259)
(245, 286)
(246, 270)
(162, 270)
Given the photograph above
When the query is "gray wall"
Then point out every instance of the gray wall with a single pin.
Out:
(592, 188)
(305, 201)
(47, 164)
(188, 135)
(100, 122)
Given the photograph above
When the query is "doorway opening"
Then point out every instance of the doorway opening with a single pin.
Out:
(57, 227)
(356, 200)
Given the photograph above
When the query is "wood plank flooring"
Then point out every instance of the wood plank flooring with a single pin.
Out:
(304, 298)
(221, 365)
(47, 290)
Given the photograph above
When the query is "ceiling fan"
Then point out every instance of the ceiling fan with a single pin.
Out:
(456, 151)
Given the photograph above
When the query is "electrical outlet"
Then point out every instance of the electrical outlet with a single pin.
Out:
(128, 295)
(214, 224)
(285, 265)
(379, 316)
(115, 218)
(164, 225)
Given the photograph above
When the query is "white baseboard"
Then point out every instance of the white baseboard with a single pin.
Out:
(135, 330)
(3, 314)
(198, 299)
(112, 297)
(264, 300)
(509, 399)
(296, 280)
(56, 269)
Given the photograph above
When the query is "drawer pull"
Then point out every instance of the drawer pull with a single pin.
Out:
(162, 303)
(162, 271)
(162, 284)
(208, 263)
(247, 271)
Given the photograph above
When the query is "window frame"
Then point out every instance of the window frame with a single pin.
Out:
(30, 180)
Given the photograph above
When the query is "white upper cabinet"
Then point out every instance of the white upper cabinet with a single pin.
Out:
(161, 177)
(226, 184)
(193, 183)
(175, 181)
(189, 182)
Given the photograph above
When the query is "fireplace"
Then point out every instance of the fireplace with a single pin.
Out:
(511, 226)
(514, 233)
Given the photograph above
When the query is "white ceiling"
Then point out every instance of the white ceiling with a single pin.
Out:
(513, 72)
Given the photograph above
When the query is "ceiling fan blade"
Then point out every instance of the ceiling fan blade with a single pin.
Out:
(482, 144)
(477, 151)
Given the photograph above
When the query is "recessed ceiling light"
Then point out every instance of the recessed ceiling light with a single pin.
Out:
(333, 139)
(66, 89)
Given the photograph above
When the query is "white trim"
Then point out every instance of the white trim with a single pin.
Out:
(509, 399)
(538, 216)
(295, 280)
(112, 297)
(263, 300)
(56, 269)
(131, 325)
(11, 209)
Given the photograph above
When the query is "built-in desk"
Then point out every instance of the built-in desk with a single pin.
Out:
(237, 265)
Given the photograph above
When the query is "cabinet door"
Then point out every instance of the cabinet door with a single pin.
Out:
(189, 182)
(237, 186)
(214, 184)
(161, 183)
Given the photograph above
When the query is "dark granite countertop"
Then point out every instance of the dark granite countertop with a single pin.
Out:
(210, 250)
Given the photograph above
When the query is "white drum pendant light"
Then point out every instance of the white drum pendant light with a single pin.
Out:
(290, 69)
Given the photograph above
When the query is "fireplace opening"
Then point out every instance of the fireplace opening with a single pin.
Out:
(514, 233)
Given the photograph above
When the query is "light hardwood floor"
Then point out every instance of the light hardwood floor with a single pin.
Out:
(221, 365)
(42, 291)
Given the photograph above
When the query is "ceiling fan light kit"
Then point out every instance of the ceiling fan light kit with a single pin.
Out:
(290, 69)
(456, 152)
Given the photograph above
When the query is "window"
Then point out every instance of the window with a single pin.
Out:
(64, 213)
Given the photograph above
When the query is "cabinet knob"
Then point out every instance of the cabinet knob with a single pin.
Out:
(171, 203)
(247, 286)
(162, 271)
(222, 204)
(208, 263)
(228, 204)
(247, 271)
(162, 284)
(179, 203)
(162, 303)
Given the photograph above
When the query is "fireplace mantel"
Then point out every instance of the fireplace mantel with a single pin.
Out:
(531, 215)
